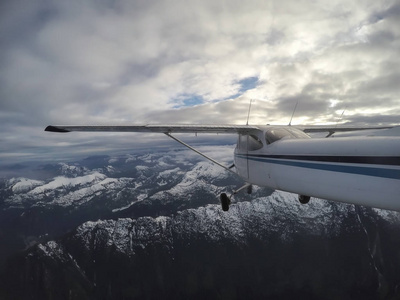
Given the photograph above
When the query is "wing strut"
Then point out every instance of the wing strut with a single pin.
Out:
(198, 152)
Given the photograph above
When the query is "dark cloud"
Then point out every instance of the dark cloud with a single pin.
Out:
(274, 37)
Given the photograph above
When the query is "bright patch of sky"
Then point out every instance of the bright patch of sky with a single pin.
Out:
(247, 84)
(192, 100)
(187, 100)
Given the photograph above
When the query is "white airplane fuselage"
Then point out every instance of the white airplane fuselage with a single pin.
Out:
(360, 170)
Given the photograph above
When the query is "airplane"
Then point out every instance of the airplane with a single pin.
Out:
(357, 168)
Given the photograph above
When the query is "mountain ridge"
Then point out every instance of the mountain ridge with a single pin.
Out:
(154, 229)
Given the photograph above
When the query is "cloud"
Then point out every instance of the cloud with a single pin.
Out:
(192, 62)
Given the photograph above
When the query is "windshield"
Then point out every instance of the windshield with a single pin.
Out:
(276, 134)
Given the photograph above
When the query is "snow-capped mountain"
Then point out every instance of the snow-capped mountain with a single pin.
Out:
(271, 247)
(123, 180)
(150, 226)
(58, 197)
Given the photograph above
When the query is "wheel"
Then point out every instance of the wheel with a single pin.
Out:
(304, 199)
(225, 202)
(249, 189)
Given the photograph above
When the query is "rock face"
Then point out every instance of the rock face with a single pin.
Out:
(267, 246)
(271, 248)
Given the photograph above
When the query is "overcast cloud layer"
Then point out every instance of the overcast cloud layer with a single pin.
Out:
(129, 62)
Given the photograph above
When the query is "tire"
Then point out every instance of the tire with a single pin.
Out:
(225, 201)
(304, 199)
(250, 189)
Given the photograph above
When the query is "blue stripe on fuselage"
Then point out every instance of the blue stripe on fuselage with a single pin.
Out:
(343, 168)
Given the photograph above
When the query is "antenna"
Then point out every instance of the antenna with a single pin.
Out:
(248, 114)
(290, 122)
(340, 118)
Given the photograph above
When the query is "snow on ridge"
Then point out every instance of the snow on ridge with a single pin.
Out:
(210, 170)
(203, 169)
(167, 173)
(389, 215)
(130, 158)
(162, 220)
(66, 191)
(62, 181)
(260, 217)
(53, 249)
(111, 169)
(123, 207)
(162, 163)
(141, 168)
(72, 170)
(278, 214)
(23, 185)
(194, 178)
(84, 194)
(148, 157)
(113, 160)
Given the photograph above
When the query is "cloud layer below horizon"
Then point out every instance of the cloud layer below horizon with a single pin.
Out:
(124, 62)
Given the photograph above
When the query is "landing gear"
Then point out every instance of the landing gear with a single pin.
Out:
(304, 199)
(249, 189)
(247, 186)
(225, 202)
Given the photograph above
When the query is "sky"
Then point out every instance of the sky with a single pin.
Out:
(184, 61)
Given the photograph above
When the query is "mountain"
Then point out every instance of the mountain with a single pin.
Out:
(154, 229)
(56, 198)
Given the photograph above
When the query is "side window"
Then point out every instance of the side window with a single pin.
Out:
(254, 143)
(242, 142)
(249, 142)
(274, 135)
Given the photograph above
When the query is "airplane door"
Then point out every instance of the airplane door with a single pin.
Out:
(247, 144)
(242, 163)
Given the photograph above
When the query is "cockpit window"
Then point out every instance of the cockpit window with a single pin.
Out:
(276, 134)
(254, 143)
(298, 133)
(249, 142)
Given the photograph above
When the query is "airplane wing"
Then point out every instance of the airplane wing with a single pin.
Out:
(167, 129)
(170, 128)
(338, 129)
(331, 130)
(158, 128)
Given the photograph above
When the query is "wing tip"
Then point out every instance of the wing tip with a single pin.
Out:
(52, 128)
